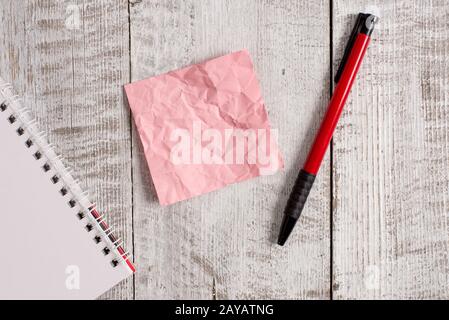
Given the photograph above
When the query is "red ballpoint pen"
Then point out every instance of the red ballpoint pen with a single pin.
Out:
(352, 59)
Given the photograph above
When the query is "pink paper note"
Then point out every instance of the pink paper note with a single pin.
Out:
(204, 127)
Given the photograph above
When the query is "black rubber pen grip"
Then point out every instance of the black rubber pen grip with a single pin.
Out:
(299, 194)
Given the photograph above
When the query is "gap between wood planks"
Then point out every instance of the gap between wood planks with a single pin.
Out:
(131, 3)
(331, 157)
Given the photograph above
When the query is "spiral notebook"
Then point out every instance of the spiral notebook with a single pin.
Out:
(55, 243)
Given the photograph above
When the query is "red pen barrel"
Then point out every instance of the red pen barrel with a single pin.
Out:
(341, 92)
(346, 74)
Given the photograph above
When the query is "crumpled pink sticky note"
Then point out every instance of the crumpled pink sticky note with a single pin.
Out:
(193, 122)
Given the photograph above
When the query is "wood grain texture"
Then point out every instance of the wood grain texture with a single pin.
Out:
(391, 199)
(390, 182)
(70, 60)
(221, 245)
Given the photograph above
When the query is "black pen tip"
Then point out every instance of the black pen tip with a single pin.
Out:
(288, 223)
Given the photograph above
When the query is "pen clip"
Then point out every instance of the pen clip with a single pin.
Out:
(365, 23)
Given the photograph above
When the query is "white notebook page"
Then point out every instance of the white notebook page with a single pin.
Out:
(47, 252)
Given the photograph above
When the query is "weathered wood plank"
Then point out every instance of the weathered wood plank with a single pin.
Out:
(391, 197)
(220, 245)
(70, 60)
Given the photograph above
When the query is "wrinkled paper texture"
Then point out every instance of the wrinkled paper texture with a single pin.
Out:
(222, 94)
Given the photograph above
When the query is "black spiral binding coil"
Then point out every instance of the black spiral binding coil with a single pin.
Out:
(59, 174)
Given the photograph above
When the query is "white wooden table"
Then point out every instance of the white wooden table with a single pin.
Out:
(377, 222)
